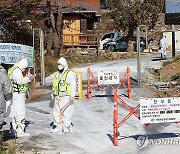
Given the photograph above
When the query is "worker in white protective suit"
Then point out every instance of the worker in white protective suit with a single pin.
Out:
(163, 45)
(5, 93)
(20, 87)
(63, 93)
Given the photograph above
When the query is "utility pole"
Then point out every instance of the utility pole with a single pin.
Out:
(139, 51)
(34, 59)
(146, 38)
(138, 56)
(41, 36)
(173, 42)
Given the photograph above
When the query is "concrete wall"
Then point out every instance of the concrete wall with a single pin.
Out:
(168, 35)
(177, 39)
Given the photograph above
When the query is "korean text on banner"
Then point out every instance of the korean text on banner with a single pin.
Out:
(10, 53)
(108, 77)
(159, 110)
(79, 90)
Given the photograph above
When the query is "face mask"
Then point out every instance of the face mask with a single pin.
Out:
(60, 67)
(61, 70)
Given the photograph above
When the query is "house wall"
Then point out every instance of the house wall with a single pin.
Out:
(71, 25)
(177, 40)
(83, 26)
(168, 35)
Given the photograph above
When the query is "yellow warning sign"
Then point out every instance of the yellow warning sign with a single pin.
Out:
(79, 90)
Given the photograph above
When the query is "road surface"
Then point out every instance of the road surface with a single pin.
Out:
(93, 122)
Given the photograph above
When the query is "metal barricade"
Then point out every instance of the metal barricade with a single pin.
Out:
(102, 89)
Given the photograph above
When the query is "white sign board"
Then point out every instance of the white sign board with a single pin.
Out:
(107, 77)
(10, 53)
(159, 110)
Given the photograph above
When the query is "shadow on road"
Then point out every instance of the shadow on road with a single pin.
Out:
(152, 136)
(158, 58)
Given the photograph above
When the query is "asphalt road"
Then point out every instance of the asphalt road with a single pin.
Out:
(93, 122)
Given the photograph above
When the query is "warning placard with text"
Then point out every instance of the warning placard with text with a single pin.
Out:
(108, 77)
(159, 110)
(10, 53)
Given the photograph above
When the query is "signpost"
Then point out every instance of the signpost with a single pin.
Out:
(138, 56)
(41, 36)
(160, 110)
(10, 53)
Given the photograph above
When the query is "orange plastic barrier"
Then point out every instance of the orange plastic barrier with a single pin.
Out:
(115, 121)
(132, 111)
(102, 89)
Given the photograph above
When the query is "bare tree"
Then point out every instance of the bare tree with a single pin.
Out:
(55, 28)
(128, 14)
(14, 20)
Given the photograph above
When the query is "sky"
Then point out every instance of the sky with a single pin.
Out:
(172, 6)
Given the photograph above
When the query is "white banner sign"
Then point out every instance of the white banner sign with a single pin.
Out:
(107, 77)
(159, 110)
(10, 53)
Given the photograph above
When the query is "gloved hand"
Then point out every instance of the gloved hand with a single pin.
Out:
(52, 97)
(31, 76)
(71, 98)
(8, 96)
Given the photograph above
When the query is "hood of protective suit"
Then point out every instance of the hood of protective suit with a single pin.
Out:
(63, 62)
(22, 64)
(2, 70)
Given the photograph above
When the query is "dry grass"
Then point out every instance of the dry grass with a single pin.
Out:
(37, 93)
(169, 70)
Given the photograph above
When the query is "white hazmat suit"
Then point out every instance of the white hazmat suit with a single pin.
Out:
(17, 108)
(163, 45)
(5, 93)
(63, 106)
